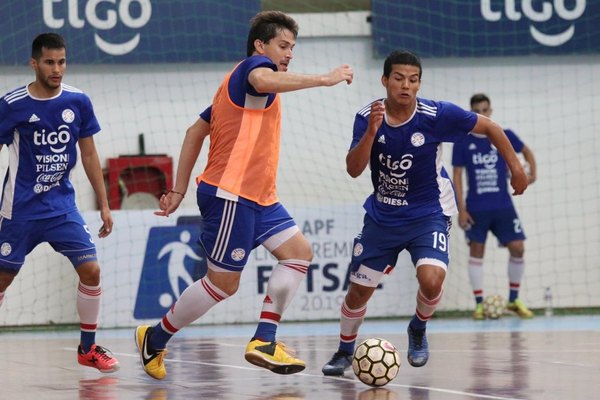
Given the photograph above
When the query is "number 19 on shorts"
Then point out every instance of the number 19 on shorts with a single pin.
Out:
(440, 241)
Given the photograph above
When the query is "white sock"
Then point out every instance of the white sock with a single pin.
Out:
(476, 275)
(283, 284)
(88, 306)
(194, 302)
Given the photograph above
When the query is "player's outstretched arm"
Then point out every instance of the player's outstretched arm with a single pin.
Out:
(93, 170)
(190, 150)
(265, 80)
(496, 135)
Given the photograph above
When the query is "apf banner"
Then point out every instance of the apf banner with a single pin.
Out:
(475, 28)
(129, 31)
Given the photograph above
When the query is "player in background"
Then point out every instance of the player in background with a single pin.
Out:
(400, 137)
(237, 197)
(41, 124)
(489, 207)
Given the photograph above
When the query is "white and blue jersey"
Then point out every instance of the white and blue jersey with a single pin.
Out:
(487, 172)
(407, 174)
(41, 135)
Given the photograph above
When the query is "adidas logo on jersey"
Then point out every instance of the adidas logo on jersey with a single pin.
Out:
(33, 118)
(472, 146)
(381, 139)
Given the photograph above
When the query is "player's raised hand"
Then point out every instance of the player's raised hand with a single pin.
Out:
(376, 116)
(342, 73)
(168, 203)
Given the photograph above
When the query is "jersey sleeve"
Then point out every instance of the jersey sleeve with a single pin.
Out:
(360, 127)
(239, 85)
(89, 122)
(6, 123)
(205, 115)
(454, 122)
(516, 142)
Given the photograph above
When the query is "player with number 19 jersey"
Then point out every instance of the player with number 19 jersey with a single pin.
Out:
(403, 192)
(41, 135)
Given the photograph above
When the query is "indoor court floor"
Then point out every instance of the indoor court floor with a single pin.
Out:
(544, 358)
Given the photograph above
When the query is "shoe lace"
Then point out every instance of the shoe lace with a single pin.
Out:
(339, 355)
(288, 350)
(417, 338)
(160, 355)
(103, 353)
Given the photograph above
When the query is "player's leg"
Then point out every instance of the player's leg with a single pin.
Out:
(17, 241)
(475, 266)
(227, 241)
(429, 253)
(352, 315)
(509, 232)
(195, 301)
(375, 253)
(279, 234)
(516, 269)
(69, 235)
(476, 236)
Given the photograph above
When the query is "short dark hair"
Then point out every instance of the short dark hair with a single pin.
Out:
(48, 40)
(401, 57)
(478, 98)
(265, 25)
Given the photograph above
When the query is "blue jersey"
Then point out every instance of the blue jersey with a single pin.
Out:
(487, 172)
(41, 135)
(407, 174)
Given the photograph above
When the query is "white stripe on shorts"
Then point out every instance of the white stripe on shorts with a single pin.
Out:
(224, 230)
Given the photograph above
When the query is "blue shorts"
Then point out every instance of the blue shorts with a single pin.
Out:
(504, 224)
(231, 230)
(67, 234)
(377, 247)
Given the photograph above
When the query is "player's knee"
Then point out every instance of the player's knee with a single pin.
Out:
(516, 249)
(89, 273)
(305, 252)
(431, 284)
(358, 295)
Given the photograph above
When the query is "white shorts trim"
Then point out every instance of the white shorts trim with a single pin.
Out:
(215, 268)
(432, 261)
(280, 238)
(366, 276)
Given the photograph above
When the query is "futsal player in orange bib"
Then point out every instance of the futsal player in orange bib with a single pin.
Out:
(237, 196)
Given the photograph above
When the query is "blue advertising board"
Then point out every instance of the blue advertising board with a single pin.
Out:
(129, 31)
(174, 259)
(480, 28)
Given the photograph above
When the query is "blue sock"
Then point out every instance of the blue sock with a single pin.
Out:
(346, 347)
(159, 338)
(513, 295)
(87, 340)
(416, 323)
(265, 331)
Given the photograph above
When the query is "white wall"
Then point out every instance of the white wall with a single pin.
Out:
(551, 102)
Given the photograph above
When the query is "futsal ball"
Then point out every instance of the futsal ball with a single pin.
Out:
(376, 362)
(494, 306)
